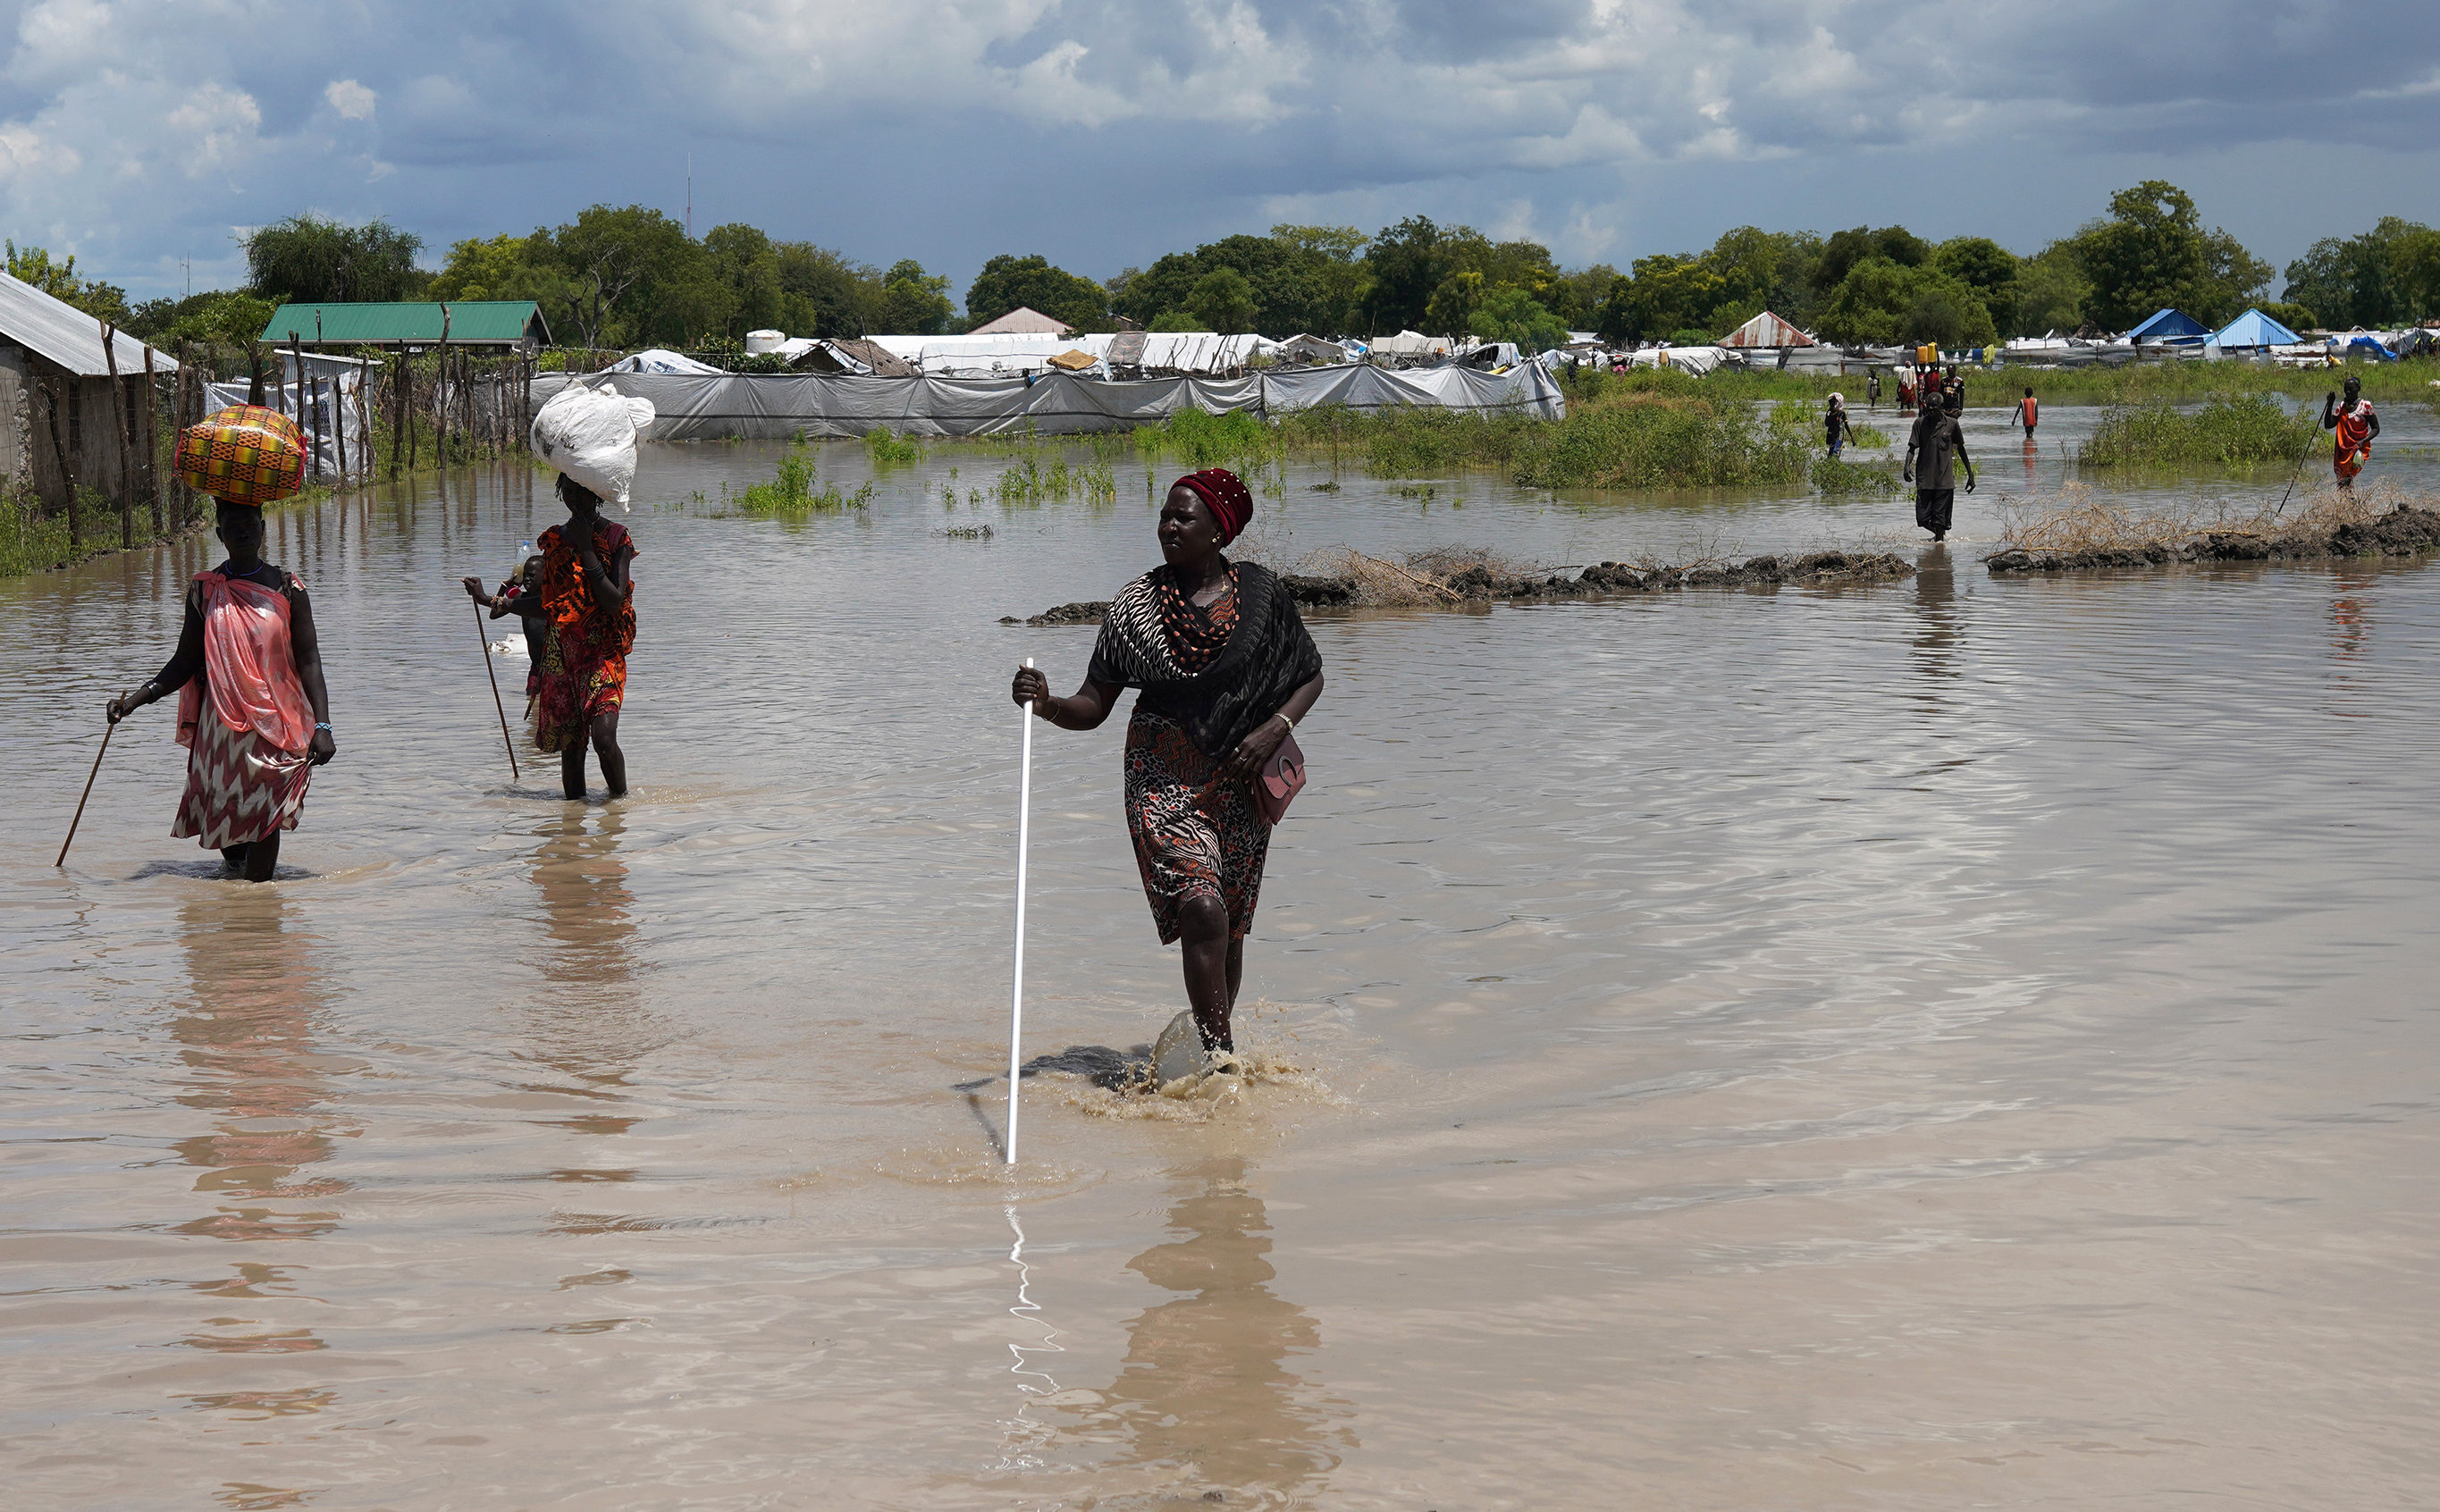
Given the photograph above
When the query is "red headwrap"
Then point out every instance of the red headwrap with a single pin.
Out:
(1230, 501)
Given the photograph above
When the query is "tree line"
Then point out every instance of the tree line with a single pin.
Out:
(628, 276)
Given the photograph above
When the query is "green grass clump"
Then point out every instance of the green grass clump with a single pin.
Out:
(2229, 428)
(1841, 479)
(1030, 481)
(1654, 441)
(887, 448)
(791, 490)
(1208, 440)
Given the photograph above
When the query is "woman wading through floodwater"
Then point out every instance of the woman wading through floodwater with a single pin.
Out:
(248, 666)
(585, 602)
(1226, 669)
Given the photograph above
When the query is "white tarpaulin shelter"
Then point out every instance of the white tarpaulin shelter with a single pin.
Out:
(1695, 360)
(781, 406)
(661, 359)
(975, 355)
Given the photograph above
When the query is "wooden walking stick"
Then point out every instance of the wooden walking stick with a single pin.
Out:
(87, 793)
(2298, 471)
(483, 635)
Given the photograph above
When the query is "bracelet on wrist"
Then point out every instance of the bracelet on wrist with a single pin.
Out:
(323, 726)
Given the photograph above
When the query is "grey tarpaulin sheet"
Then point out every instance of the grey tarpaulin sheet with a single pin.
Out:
(778, 406)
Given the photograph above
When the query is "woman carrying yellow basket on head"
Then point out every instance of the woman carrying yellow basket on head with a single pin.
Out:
(252, 710)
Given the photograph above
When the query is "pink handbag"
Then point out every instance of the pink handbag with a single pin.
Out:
(1281, 779)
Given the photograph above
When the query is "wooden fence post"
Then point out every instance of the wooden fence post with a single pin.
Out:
(126, 443)
(152, 446)
(51, 392)
(440, 393)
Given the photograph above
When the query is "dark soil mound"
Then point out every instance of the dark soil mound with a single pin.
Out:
(1480, 585)
(2403, 532)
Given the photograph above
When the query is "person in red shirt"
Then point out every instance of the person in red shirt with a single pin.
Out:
(2356, 425)
(2029, 413)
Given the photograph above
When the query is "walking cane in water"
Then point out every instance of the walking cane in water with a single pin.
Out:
(514, 775)
(2297, 472)
(1016, 1006)
(88, 793)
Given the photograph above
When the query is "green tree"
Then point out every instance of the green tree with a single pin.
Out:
(913, 302)
(1331, 258)
(310, 259)
(1882, 303)
(2152, 253)
(2295, 317)
(2051, 293)
(1662, 295)
(1846, 249)
(1407, 263)
(1580, 293)
(619, 263)
(1451, 308)
(1512, 314)
(1007, 281)
(1224, 300)
(1762, 269)
(1986, 267)
(2364, 281)
(226, 317)
(827, 293)
(744, 261)
(502, 267)
(2415, 258)
(33, 265)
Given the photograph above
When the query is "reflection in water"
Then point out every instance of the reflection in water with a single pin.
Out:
(589, 1022)
(247, 1033)
(2350, 632)
(2033, 456)
(1205, 1388)
(1938, 630)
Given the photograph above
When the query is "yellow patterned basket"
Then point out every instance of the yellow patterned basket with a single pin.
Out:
(242, 455)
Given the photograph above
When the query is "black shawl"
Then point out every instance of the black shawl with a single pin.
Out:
(1268, 657)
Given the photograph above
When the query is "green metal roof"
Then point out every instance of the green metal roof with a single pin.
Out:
(474, 320)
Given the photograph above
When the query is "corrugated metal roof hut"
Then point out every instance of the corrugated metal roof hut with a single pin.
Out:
(500, 323)
(1765, 329)
(58, 400)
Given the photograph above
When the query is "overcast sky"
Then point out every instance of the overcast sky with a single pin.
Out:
(1103, 132)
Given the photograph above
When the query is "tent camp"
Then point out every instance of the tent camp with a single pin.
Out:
(2169, 326)
(1765, 329)
(2250, 330)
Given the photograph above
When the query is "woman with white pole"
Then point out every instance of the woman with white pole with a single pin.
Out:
(1226, 669)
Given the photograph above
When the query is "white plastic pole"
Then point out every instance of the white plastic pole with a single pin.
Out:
(1017, 991)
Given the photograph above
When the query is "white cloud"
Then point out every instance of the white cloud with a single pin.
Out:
(1119, 129)
(353, 100)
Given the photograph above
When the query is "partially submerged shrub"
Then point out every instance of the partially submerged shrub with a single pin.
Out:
(2077, 519)
(791, 490)
(2229, 428)
(1831, 475)
(886, 447)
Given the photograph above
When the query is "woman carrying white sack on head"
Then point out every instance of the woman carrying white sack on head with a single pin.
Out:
(583, 594)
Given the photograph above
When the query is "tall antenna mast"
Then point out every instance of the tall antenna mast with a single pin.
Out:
(689, 195)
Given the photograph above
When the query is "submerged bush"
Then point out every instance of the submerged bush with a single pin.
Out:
(2229, 428)
(887, 448)
(791, 490)
(1207, 439)
(1832, 476)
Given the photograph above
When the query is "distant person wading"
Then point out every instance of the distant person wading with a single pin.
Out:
(1226, 669)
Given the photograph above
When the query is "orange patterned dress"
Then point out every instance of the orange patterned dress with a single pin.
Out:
(585, 658)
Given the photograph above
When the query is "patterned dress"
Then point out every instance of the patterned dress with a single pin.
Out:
(583, 671)
(2352, 440)
(1193, 835)
(242, 717)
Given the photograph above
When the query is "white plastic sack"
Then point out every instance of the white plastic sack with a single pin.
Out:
(589, 433)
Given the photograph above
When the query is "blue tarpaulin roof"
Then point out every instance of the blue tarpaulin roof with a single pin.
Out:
(2369, 347)
(2254, 328)
(2169, 325)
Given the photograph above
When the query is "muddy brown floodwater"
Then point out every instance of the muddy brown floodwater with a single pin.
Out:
(1955, 1043)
